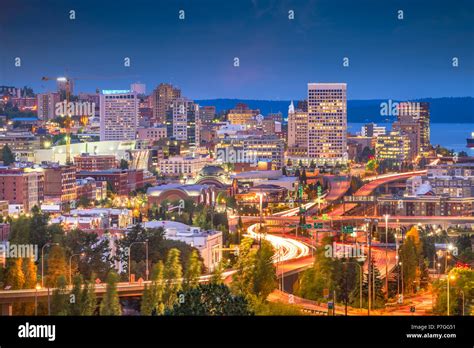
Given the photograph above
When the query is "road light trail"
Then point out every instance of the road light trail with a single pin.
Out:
(286, 248)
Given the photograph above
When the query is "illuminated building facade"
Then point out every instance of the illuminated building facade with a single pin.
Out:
(118, 115)
(327, 121)
(394, 148)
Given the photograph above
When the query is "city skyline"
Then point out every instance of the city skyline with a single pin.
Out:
(388, 57)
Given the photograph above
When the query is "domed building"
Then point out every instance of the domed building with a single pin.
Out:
(213, 175)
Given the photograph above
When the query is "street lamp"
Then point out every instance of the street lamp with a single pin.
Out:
(386, 253)
(42, 261)
(129, 259)
(38, 287)
(70, 265)
(261, 195)
(448, 278)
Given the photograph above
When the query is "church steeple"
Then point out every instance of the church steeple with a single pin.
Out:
(291, 108)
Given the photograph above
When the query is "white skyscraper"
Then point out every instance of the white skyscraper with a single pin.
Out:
(118, 115)
(327, 121)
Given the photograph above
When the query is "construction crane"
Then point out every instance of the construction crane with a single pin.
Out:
(68, 121)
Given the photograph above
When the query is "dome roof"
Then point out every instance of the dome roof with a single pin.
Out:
(212, 171)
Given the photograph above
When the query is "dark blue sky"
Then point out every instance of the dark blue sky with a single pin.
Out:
(389, 58)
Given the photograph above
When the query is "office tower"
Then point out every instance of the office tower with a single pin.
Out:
(161, 100)
(327, 121)
(207, 113)
(118, 115)
(297, 127)
(414, 121)
(394, 148)
(47, 105)
(241, 114)
(372, 130)
(181, 121)
(266, 148)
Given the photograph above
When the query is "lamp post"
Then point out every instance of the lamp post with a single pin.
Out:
(260, 195)
(448, 278)
(70, 265)
(38, 287)
(129, 259)
(42, 261)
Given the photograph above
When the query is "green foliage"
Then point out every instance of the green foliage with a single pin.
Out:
(110, 304)
(56, 261)
(89, 299)
(276, 308)
(264, 272)
(123, 164)
(172, 274)
(59, 300)
(193, 271)
(208, 300)
(256, 274)
(95, 251)
(15, 278)
(30, 271)
(152, 300)
(76, 305)
(463, 283)
(7, 156)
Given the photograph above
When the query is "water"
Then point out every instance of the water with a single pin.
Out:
(449, 135)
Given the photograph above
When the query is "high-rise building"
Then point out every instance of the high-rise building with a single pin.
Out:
(60, 183)
(47, 105)
(241, 114)
(394, 148)
(414, 121)
(327, 121)
(266, 148)
(22, 187)
(297, 127)
(161, 99)
(372, 130)
(118, 115)
(207, 113)
(182, 120)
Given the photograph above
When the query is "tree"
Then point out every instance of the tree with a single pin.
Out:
(59, 300)
(94, 253)
(30, 273)
(89, 299)
(243, 277)
(461, 285)
(216, 277)
(193, 271)
(409, 261)
(7, 156)
(264, 272)
(76, 305)
(110, 303)
(123, 164)
(15, 278)
(208, 300)
(152, 300)
(56, 266)
(172, 275)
